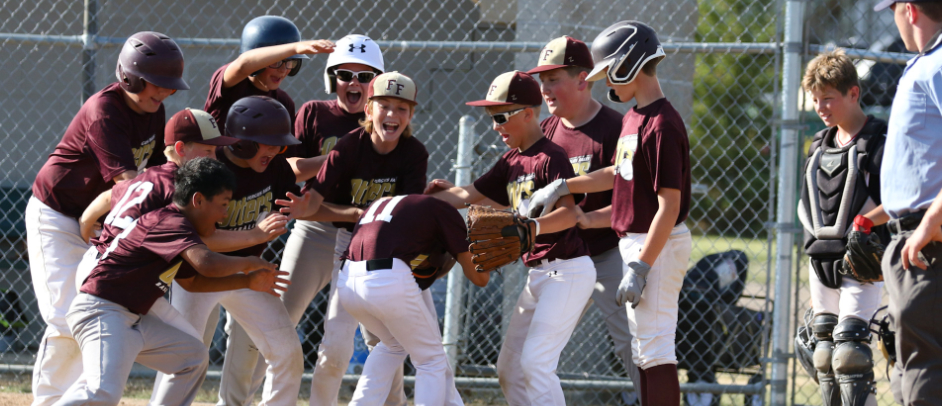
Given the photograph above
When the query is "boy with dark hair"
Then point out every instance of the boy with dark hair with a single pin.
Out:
(109, 317)
(650, 179)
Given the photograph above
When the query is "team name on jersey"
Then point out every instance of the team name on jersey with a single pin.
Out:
(625, 154)
(328, 144)
(244, 212)
(166, 278)
(144, 152)
(519, 191)
(365, 191)
(580, 164)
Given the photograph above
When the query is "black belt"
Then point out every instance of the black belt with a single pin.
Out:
(375, 264)
(908, 222)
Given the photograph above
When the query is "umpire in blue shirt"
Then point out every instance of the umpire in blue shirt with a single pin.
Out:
(913, 160)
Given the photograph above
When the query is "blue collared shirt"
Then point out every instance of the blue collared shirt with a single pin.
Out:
(912, 159)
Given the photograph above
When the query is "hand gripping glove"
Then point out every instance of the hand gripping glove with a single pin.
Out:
(544, 200)
(497, 237)
(632, 284)
(864, 252)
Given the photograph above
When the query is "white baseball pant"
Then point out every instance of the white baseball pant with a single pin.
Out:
(546, 313)
(265, 320)
(309, 258)
(654, 322)
(112, 338)
(55, 249)
(609, 271)
(391, 305)
(852, 299)
(336, 349)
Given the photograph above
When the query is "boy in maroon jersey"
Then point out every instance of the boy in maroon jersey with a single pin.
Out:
(309, 256)
(263, 127)
(272, 50)
(588, 131)
(111, 139)
(189, 134)
(380, 159)
(109, 318)
(561, 275)
(651, 182)
(377, 287)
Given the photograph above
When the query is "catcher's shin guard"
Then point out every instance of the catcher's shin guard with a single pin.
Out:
(852, 361)
(823, 326)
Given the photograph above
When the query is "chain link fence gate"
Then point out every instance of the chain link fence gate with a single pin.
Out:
(722, 74)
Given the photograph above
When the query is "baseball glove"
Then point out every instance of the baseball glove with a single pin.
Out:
(428, 268)
(864, 252)
(497, 237)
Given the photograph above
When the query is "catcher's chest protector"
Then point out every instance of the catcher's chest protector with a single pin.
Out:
(835, 191)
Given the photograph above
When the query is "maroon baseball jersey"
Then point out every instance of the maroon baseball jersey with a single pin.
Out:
(590, 147)
(512, 181)
(147, 192)
(406, 227)
(653, 153)
(254, 196)
(319, 125)
(105, 139)
(356, 175)
(220, 99)
(139, 265)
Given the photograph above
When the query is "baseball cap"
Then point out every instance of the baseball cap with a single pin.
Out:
(393, 84)
(883, 4)
(191, 125)
(563, 52)
(513, 87)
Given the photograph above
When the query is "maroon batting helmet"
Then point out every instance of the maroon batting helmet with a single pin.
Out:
(150, 57)
(258, 120)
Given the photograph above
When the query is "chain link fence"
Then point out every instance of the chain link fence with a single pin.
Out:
(722, 73)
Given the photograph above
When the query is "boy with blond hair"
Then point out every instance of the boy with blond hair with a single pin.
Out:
(842, 189)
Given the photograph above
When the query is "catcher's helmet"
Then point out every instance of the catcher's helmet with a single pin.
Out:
(266, 31)
(258, 120)
(622, 49)
(353, 48)
(152, 57)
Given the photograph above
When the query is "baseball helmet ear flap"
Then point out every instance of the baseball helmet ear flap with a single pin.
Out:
(330, 80)
(244, 149)
(130, 83)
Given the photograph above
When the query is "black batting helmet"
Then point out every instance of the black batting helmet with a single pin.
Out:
(258, 120)
(150, 57)
(266, 31)
(622, 49)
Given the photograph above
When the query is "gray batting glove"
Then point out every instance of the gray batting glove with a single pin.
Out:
(544, 200)
(632, 284)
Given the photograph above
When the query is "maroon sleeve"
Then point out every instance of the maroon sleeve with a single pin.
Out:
(454, 231)
(107, 137)
(493, 184)
(288, 102)
(334, 169)
(170, 237)
(663, 156)
(414, 181)
(305, 131)
(556, 167)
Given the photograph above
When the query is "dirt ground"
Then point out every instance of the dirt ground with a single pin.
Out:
(24, 399)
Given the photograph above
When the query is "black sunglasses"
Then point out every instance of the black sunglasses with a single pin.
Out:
(287, 63)
(348, 75)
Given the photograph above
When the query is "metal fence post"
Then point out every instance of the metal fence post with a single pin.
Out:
(453, 308)
(89, 48)
(787, 187)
